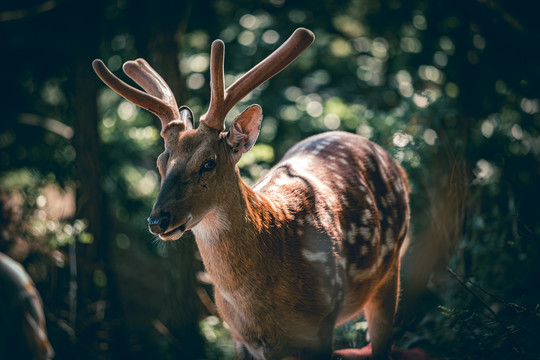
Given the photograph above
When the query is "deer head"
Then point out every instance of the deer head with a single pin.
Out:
(198, 165)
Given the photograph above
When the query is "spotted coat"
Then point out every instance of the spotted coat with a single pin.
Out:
(350, 202)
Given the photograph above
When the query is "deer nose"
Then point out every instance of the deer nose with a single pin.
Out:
(158, 225)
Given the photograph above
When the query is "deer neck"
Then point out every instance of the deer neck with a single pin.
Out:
(238, 233)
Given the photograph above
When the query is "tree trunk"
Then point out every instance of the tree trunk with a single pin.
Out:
(97, 306)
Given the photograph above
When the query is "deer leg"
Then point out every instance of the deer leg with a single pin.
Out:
(380, 311)
(323, 350)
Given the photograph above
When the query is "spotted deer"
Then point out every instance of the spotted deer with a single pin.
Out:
(313, 243)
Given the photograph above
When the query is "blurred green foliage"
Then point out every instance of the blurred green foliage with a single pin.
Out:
(442, 86)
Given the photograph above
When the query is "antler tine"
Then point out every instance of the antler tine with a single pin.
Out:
(273, 64)
(159, 99)
(215, 116)
(144, 75)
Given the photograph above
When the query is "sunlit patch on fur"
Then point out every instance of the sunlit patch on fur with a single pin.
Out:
(262, 184)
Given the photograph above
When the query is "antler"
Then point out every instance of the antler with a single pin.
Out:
(223, 101)
(158, 98)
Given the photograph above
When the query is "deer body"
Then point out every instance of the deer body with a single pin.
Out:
(311, 245)
(304, 250)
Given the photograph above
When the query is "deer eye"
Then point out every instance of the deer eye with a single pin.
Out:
(208, 165)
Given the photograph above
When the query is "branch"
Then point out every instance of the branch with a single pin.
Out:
(505, 15)
(12, 15)
(493, 313)
(51, 125)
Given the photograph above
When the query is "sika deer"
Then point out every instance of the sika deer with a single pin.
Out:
(315, 241)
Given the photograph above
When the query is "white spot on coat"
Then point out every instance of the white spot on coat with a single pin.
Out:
(315, 255)
(369, 200)
(363, 250)
(352, 234)
(391, 198)
(366, 216)
(365, 233)
(385, 249)
(375, 236)
(389, 239)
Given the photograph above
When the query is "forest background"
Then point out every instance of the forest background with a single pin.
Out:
(450, 88)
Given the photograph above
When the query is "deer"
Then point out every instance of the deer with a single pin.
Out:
(313, 243)
(23, 332)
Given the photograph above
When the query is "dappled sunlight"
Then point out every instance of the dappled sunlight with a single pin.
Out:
(270, 37)
(451, 90)
(195, 81)
(431, 73)
(410, 44)
(446, 44)
(430, 136)
(488, 127)
(141, 182)
(530, 106)
(126, 111)
(246, 38)
(401, 139)
(485, 173)
(420, 100)
(332, 121)
(256, 162)
(404, 83)
(196, 63)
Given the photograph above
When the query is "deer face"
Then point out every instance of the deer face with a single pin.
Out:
(195, 168)
(195, 162)
(188, 169)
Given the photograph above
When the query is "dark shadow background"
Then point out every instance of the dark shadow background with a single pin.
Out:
(450, 89)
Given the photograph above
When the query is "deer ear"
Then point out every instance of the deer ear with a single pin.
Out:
(186, 115)
(245, 129)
